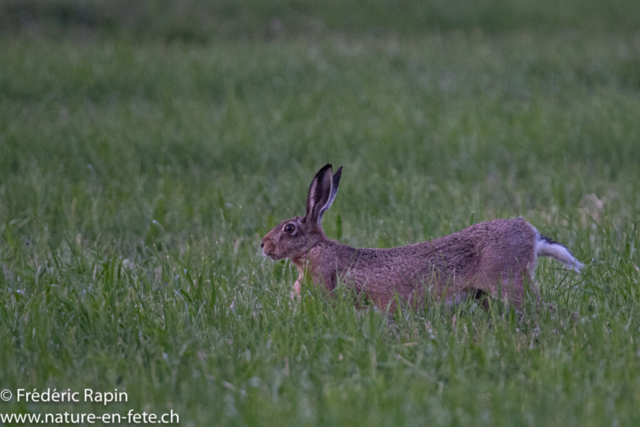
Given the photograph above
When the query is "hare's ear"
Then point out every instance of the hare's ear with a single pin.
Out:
(321, 193)
(335, 183)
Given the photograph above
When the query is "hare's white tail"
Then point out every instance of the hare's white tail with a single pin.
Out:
(547, 247)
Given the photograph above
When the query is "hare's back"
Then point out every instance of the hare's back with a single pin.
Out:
(498, 242)
(501, 239)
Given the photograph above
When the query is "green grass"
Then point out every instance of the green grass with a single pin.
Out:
(201, 21)
(138, 176)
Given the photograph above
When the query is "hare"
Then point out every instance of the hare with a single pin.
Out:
(495, 257)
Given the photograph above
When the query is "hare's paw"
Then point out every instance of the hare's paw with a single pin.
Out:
(297, 288)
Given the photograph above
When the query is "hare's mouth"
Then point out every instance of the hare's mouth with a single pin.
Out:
(271, 255)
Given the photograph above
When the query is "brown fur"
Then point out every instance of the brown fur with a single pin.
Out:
(493, 257)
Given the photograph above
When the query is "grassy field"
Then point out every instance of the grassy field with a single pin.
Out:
(139, 170)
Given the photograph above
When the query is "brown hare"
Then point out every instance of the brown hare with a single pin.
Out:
(495, 257)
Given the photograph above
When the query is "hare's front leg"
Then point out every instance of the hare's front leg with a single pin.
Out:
(297, 286)
(296, 289)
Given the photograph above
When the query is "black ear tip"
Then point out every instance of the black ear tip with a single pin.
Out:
(323, 169)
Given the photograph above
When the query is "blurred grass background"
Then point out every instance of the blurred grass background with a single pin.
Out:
(202, 21)
(145, 148)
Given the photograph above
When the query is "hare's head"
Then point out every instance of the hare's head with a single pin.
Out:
(294, 237)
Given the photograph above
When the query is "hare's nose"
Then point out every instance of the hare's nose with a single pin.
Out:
(262, 245)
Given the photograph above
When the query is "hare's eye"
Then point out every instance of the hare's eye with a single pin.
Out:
(289, 228)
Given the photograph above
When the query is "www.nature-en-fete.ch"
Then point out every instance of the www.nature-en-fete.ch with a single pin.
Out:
(87, 396)
(130, 417)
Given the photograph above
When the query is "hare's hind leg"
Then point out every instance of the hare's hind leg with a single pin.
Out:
(478, 295)
(513, 290)
(511, 286)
